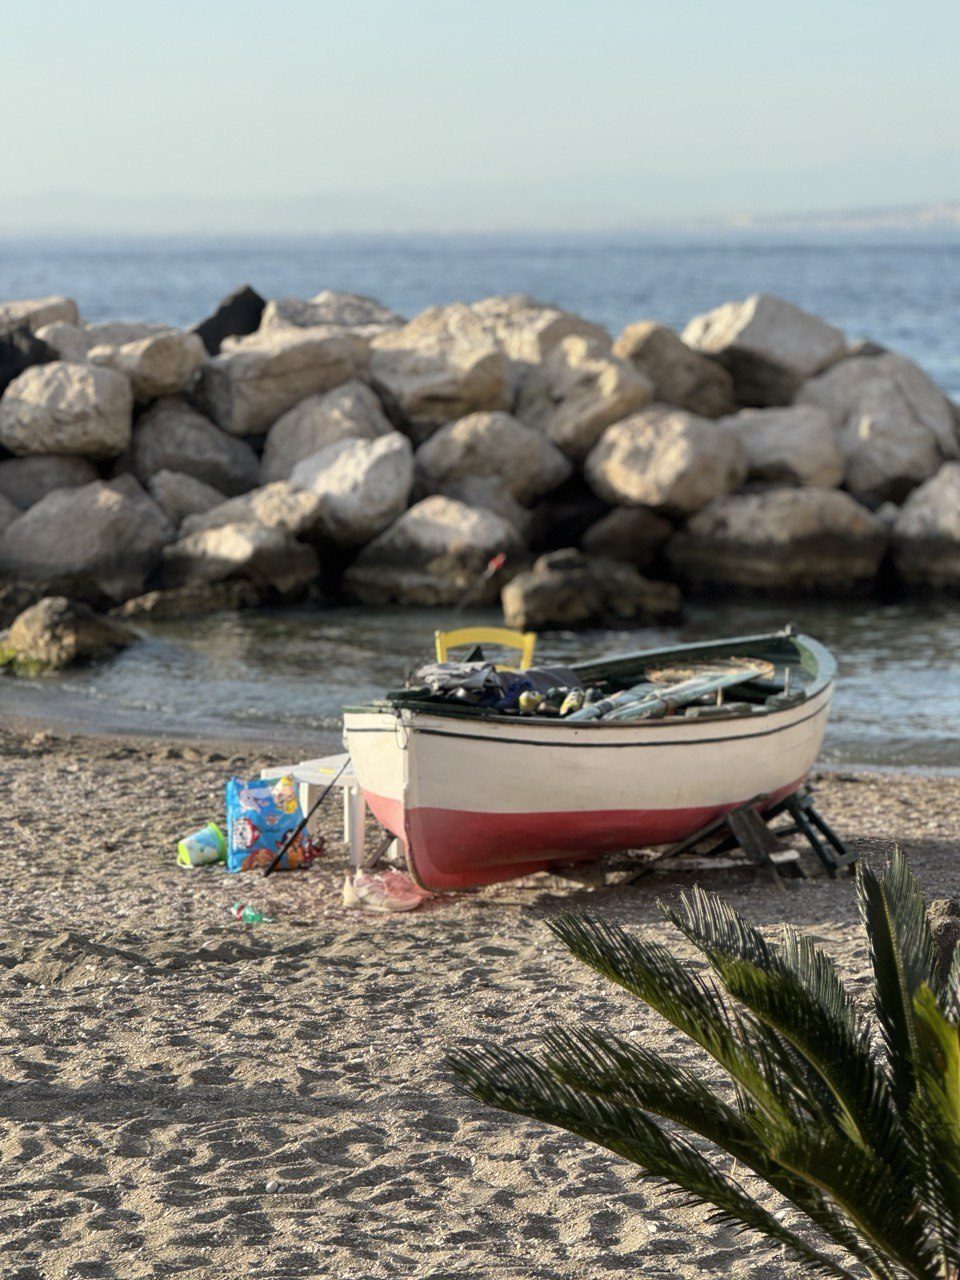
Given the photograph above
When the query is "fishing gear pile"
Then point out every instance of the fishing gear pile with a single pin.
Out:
(696, 689)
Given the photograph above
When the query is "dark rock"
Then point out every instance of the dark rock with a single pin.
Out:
(562, 518)
(633, 534)
(239, 313)
(569, 589)
(56, 632)
(186, 602)
(24, 481)
(19, 349)
(15, 597)
(786, 541)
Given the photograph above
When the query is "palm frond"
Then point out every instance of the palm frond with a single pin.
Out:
(808, 1006)
(951, 987)
(740, 1044)
(518, 1083)
(936, 1115)
(881, 1207)
(609, 1067)
(901, 950)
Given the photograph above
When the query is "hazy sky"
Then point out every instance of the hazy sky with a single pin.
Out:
(470, 114)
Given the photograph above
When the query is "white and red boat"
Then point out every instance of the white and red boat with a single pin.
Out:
(476, 796)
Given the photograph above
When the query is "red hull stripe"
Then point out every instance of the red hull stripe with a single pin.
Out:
(456, 849)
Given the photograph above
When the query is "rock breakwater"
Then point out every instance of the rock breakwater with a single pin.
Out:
(330, 448)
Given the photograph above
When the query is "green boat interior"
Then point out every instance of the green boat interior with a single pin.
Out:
(723, 679)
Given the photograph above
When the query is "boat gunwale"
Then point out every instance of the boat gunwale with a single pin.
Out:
(817, 656)
(560, 737)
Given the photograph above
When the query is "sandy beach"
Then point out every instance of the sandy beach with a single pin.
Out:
(162, 1063)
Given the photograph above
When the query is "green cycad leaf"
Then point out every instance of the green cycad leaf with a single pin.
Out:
(936, 1115)
(741, 1045)
(879, 1204)
(516, 1082)
(901, 949)
(951, 988)
(806, 1005)
(609, 1067)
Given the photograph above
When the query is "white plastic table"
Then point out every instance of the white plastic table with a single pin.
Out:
(311, 776)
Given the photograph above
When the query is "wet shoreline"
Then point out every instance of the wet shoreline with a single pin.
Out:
(280, 677)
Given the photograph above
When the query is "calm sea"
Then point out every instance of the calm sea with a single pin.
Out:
(267, 675)
(902, 291)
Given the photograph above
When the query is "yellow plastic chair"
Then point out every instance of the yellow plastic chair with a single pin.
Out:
(523, 641)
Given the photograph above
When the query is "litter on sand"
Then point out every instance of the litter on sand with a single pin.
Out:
(388, 890)
(247, 913)
(203, 848)
(261, 815)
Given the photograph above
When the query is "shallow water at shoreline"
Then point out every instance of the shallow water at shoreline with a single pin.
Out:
(266, 676)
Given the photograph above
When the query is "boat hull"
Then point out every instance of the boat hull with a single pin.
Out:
(476, 802)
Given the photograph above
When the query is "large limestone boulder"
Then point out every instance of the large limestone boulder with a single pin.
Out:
(67, 408)
(19, 349)
(56, 632)
(632, 534)
(440, 366)
(76, 341)
(680, 376)
(8, 512)
(769, 346)
(237, 314)
(254, 380)
(280, 505)
(489, 493)
(795, 445)
(35, 312)
(24, 481)
(666, 459)
(493, 444)
(179, 495)
(362, 485)
(894, 425)
(568, 589)
(159, 365)
(527, 329)
(926, 534)
(354, 311)
(578, 391)
(107, 535)
(433, 555)
(787, 540)
(269, 558)
(348, 412)
(172, 436)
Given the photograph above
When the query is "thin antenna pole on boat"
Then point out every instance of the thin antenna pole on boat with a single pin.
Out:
(494, 565)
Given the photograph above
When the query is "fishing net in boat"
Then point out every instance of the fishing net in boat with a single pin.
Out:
(758, 670)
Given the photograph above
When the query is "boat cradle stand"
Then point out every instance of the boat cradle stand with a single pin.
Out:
(750, 830)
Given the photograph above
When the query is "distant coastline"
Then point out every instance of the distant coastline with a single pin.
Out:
(67, 214)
